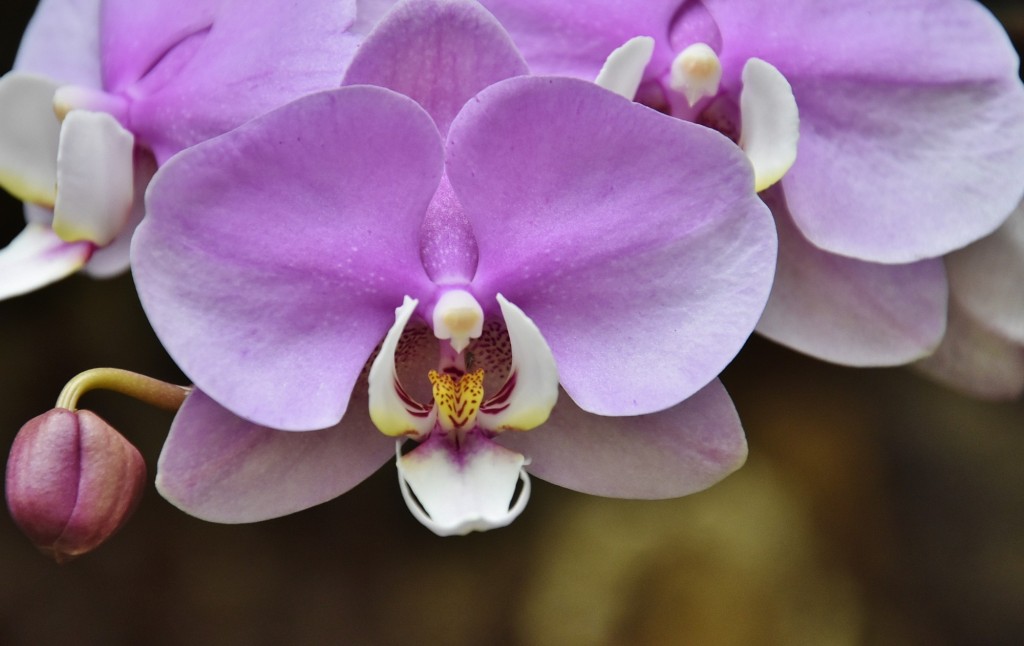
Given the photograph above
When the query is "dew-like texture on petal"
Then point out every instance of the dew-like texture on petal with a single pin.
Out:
(975, 360)
(987, 278)
(575, 38)
(272, 258)
(37, 257)
(62, 41)
(633, 240)
(672, 453)
(255, 56)
(848, 311)
(219, 467)
(911, 118)
(439, 52)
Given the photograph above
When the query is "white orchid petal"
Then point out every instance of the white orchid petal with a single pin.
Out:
(95, 184)
(529, 394)
(29, 132)
(37, 257)
(392, 411)
(463, 489)
(624, 68)
(770, 122)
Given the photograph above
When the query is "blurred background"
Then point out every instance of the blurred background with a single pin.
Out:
(875, 508)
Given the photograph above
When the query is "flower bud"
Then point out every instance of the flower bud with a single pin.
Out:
(72, 481)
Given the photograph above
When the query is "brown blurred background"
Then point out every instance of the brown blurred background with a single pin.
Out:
(875, 508)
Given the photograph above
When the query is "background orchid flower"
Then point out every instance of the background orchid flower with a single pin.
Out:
(103, 90)
(896, 129)
(442, 251)
(982, 352)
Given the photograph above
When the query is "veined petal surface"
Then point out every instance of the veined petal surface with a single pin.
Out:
(438, 52)
(911, 118)
(849, 311)
(671, 453)
(62, 41)
(254, 57)
(272, 258)
(219, 467)
(575, 38)
(633, 240)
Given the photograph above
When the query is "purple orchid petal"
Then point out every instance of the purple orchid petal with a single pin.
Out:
(438, 52)
(272, 258)
(645, 283)
(221, 468)
(676, 452)
(986, 278)
(575, 38)
(848, 311)
(975, 360)
(911, 119)
(62, 42)
(252, 58)
(126, 57)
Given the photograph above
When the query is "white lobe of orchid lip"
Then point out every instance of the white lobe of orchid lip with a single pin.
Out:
(28, 138)
(458, 318)
(696, 72)
(392, 411)
(769, 122)
(623, 70)
(37, 257)
(95, 185)
(531, 391)
(461, 489)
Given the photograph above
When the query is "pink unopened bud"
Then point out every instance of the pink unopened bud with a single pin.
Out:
(72, 481)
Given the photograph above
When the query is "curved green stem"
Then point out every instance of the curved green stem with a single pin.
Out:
(146, 389)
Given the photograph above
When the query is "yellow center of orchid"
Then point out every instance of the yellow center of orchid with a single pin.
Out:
(457, 399)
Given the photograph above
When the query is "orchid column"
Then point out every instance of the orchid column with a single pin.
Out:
(449, 226)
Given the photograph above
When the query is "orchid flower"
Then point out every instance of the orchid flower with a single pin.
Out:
(982, 353)
(884, 134)
(104, 90)
(424, 255)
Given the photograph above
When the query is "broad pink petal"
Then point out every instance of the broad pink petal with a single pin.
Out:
(911, 118)
(848, 311)
(438, 52)
(987, 278)
(975, 360)
(62, 41)
(219, 467)
(255, 57)
(272, 258)
(575, 38)
(645, 283)
(676, 452)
